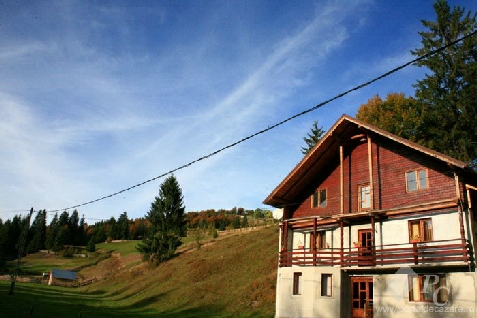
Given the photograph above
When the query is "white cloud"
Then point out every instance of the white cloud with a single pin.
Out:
(91, 122)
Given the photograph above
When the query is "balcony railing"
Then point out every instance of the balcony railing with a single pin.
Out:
(393, 254)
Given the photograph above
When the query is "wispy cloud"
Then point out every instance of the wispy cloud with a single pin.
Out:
(91, 121)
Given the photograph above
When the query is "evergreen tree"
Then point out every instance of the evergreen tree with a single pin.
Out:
(81, 232)
(38, 230)
(123, 226)
(448, 90)
(91, 247)
(73, 227)
(166, 217)
(6, 241)
(312, 138)
(52, 233)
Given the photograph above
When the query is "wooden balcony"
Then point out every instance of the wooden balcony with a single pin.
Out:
(435, 252)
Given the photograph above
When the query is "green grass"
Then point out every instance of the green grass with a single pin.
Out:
(124, 248)
(232, 276)
(38, 263)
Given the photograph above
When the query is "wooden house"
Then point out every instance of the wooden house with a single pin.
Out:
(375, 225)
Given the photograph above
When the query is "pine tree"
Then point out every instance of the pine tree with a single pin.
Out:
(38, 230)
(166, 217)
(448, 90)
(52, 232)
(312, 138)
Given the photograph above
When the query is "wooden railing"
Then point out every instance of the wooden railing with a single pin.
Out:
(411, 253)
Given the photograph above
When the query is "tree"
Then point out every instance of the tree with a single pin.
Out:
(91, 246)
(448, 91)
(38, 230)
(166, 217)
(52, 233)
(123, 226)
(74, 229)
(398, 114)
(312, 138)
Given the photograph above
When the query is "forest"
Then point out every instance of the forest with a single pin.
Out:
(67, 233)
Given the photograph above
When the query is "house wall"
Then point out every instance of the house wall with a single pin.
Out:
(60, 282)
(391, 296)
(446, 226)
(395, 161)
(390, 162)
(310, 303)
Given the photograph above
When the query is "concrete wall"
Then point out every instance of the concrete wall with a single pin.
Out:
(310, 303)
(391, 297)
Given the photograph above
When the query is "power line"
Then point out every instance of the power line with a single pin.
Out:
(277, 124)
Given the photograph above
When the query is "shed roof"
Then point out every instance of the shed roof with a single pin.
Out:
(328, 148)
(63, 274)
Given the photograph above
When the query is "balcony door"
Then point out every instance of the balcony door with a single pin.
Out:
(366, 249)
(362, 297)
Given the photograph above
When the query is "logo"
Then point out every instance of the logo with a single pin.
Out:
(402, 284)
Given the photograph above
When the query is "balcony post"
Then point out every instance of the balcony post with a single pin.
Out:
(414, 252)
(341, 243)
(313, 244)
(373, 229)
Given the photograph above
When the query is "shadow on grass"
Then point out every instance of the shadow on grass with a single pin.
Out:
(48, 301)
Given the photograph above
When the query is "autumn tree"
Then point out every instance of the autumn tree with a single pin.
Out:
(447, 92)
(166, 217)
(397, 114)
(312, 137)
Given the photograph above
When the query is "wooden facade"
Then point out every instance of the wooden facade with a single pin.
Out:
(366, 201)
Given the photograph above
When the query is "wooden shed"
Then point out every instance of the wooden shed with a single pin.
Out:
(60, 277)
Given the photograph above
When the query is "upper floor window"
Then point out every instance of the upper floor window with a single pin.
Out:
(420, 230)
(416, 180)
(318, 199)
(364, 197)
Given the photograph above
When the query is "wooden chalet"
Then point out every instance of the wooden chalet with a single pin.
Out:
(375, 225)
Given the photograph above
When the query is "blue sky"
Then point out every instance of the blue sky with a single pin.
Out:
(97, 96)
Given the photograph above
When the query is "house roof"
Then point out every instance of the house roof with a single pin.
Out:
(63, 274)
(327, 149)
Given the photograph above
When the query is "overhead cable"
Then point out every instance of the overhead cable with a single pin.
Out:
(277, 124)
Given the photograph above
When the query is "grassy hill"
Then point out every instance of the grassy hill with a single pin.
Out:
(231, 276)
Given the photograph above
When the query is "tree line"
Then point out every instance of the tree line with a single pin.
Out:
(69, 230)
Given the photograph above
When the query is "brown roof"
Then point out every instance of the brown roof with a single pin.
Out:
(328, 148)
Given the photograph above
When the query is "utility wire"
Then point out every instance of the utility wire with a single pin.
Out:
(279, 123)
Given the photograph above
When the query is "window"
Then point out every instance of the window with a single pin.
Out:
(326, 285)
(297, 283)
(364, 197)
(428, 288)
(416, 180)
(420, 230)
(318, 199)
(319, 242)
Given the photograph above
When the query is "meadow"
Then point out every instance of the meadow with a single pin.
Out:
(233, 275)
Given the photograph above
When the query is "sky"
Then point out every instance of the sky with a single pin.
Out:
(99, 96)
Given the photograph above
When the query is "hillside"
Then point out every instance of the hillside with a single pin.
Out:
(233, 275)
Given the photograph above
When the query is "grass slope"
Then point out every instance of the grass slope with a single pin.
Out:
(232, 276)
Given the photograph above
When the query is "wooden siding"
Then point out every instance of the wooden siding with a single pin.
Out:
(390, 162)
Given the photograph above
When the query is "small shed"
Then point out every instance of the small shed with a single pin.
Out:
(60, 277)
